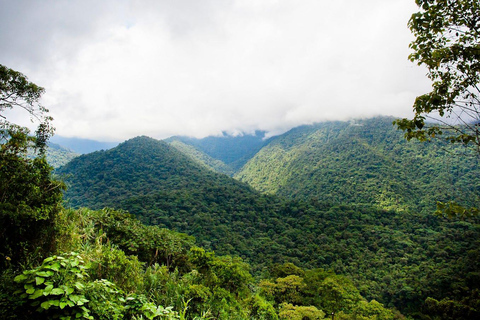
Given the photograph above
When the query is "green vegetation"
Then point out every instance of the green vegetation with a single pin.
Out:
(446, 42)
(397, 257)
(165, 237)
(201, 157)
(366, 162)
(225, 153)
(58, 156)
(114, 267)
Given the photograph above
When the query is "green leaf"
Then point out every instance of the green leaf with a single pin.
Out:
(45, 305)
(55, 266)
(57, 291)
(49, 259)
(45, 273)
(79, 285)
(47, 290)
(54, 302)
(68, 290)
(36, 294)
(28, 286)
(20, 278)
(39, 280)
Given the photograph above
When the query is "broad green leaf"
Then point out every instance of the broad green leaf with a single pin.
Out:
(55, 266)
(45, 273)
(57, 291)
(36, 294)
(79, 285)
(48, 259)
(20, 278)
(48, 289)
(45, 305)
(39, 280)
(54, 302)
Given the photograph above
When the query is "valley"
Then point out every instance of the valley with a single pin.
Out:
(351, 197)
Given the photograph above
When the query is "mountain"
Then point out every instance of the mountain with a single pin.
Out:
(396, 257)
(202, 158)
(232, 151)
(82, 146)
(58, 156)
(363, 161)
(138, 167)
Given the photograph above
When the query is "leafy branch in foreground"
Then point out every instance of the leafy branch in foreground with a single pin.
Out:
(17, 92)
(447, 44)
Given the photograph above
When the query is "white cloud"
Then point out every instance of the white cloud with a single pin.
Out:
(163, 68)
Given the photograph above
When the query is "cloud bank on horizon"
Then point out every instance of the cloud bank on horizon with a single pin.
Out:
(116, 69)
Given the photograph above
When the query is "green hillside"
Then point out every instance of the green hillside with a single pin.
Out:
(201, 157)
(138, 167)
(366, 161)
(397, 258)
(232, 151)
(58, 156)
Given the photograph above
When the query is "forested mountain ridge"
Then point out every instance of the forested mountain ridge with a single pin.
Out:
(137, 167)
(202, 158)
(364, 161)
(388, 254)
(232, 151)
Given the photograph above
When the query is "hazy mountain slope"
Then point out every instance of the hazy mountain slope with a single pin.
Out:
(233, 151)
(202, 158)
(58, 156)
(82, 146)
(366, 161)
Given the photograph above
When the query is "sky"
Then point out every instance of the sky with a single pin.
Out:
(116, 69)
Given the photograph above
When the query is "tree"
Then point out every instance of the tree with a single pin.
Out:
(446, 42)
(29, 197)
(17, 92)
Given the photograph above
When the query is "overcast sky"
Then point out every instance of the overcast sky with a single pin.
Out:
(116, 69)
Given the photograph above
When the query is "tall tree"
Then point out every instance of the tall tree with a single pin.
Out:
(29, 197)
(446, 42)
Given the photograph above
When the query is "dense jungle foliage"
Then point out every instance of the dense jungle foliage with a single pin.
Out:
(106, 264)
(397, 257)
(365, 161)
(233, 151)
(201, 157)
